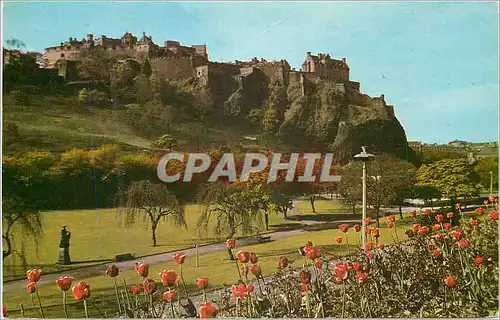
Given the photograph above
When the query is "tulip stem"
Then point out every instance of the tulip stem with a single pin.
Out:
(238, 267)
(184, 283)
(204, 294)
(126, 294)
(39, 302)
(64, 305)
(86, 309)
(34, 306)
(117, 297)
(22, 310)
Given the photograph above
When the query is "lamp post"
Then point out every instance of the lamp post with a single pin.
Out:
(491, 183)
(365, 157)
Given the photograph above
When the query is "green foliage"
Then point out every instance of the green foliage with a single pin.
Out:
(452, 177)
(83, 96)
(255, 117)
(270, 121)
(483, 167)
(166, 141)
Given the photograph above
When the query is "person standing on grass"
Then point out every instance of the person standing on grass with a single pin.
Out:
(64, 246)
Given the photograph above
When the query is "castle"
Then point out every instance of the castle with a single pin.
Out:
(175, 61)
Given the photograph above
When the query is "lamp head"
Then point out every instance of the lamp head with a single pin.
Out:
(364, 156)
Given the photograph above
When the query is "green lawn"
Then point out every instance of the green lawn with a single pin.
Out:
(98, 235)
(323, 206)
(215, 266)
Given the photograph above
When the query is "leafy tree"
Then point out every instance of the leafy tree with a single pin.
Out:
(255, 117)
(232, 207)
(270, 121)
(152, 203)
(15, 43)
(452, 177)
(483, 168)
(386, 179)
(97, 64)
(21, 213)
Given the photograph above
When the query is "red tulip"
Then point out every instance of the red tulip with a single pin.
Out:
(282, 262)
(239, 291)
(415, 227)
(149, 286)
(456, 235)
(81, 291)
(436, 227)
(341, 271)
(202, 283)
(479, 211)
(450, 281)
(391, 218)
(368, 246)
(64, 283)
(491, 199)
(256, 270)
(376, 232)
(179, 258)
(344, 228)
(170, 296)
(439, 217)
(493, 215)
(479, 260)
(34, 275)
(356, 227)
(318, 263)
(427, 212)
(389, 225)
(366, 221)
(136, 289)
(253, 258)
(168, 277)
(413, 214)
(356, 266)
(338, 239)
(439, 236)
(207, 310)
(463, 244)
(423, 230)
(112, 271)
(250, 287)
(312, 253)
(31, 287)
(380, 246)
(230, 243)
(370, 254)
(436, 253)
(142, 269)
(458, 206)
(243, 256)
(449, 215)
(447, 226)
(473, 221)
(362, 278)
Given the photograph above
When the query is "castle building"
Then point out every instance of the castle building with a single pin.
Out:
(326, 68)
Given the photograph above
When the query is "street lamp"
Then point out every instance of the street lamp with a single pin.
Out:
(365, 157)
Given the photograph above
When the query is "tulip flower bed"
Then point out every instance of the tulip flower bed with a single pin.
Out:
(435, 271)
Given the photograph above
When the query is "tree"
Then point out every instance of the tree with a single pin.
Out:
(152, 202)
(454, 178)
(386, 179)
(483, 168)
(166, 141)
(16, 211)
(15, 43)
(232, 207)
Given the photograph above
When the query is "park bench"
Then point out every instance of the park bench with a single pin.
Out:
(124, 257)
(263, 239)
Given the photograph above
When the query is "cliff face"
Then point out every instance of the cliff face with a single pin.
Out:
(313, 114)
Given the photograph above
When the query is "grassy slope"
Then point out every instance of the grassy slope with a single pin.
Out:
(220, 271)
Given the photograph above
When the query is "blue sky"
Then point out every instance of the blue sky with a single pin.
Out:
(436, 62)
